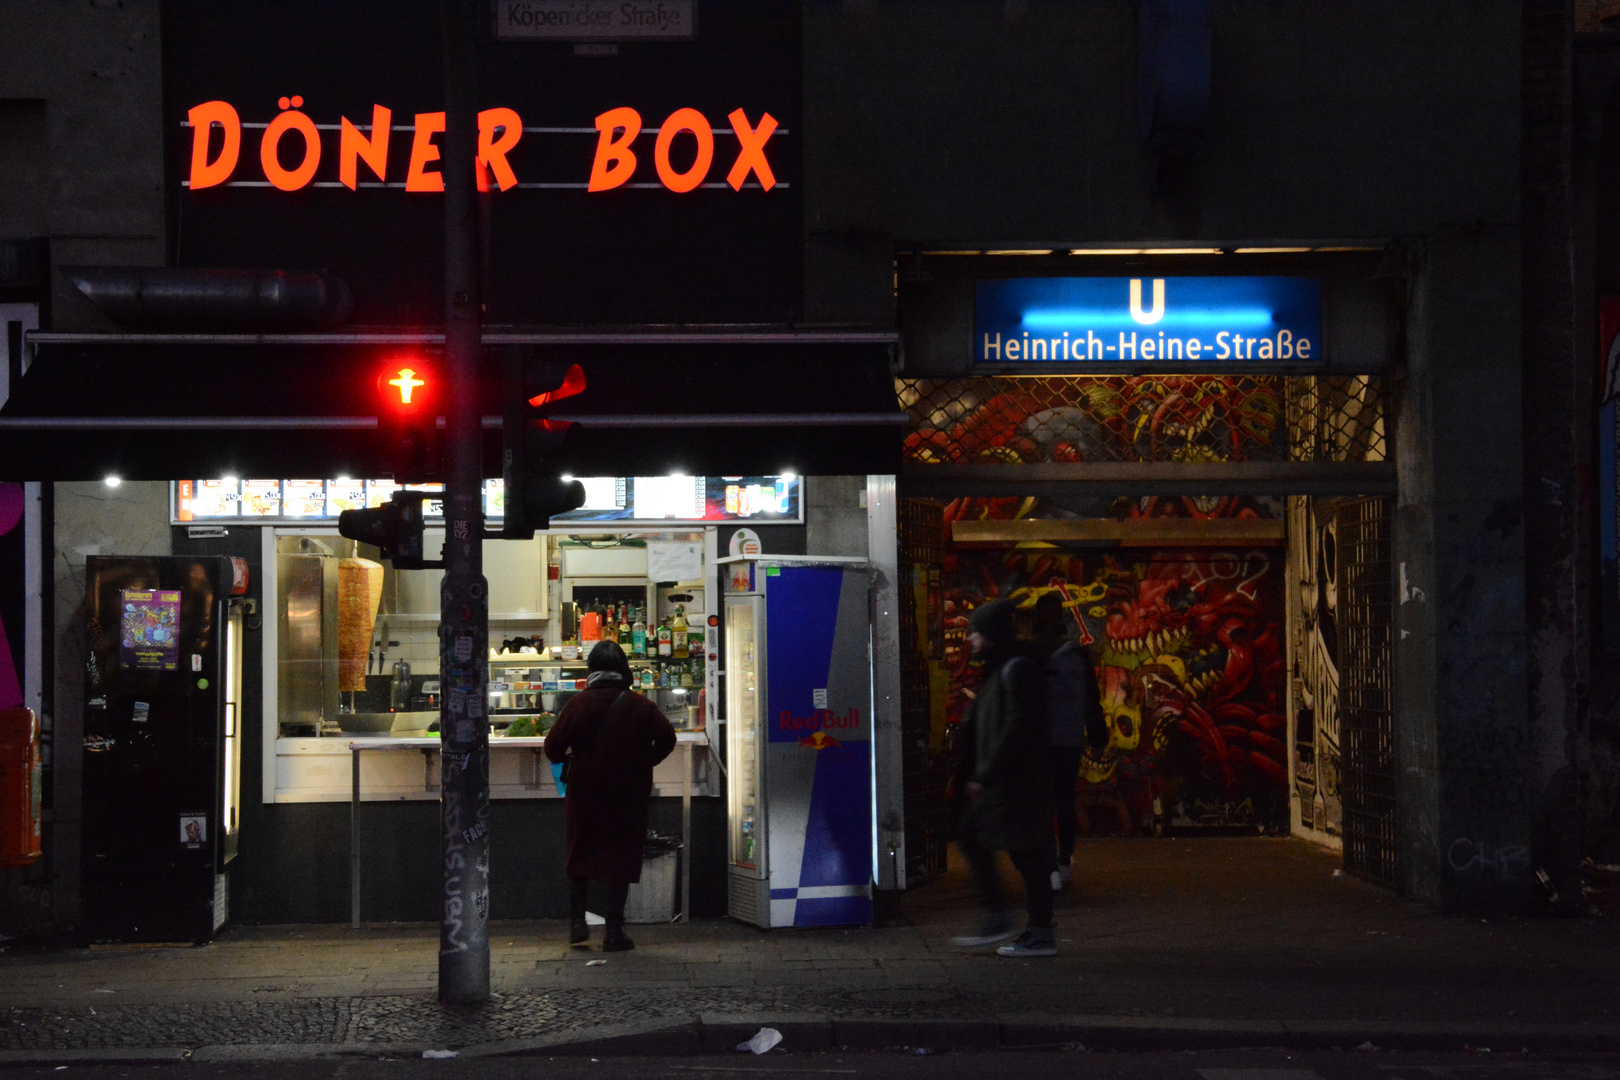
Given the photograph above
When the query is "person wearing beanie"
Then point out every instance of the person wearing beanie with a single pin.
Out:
(1004, 787)
(611, 738)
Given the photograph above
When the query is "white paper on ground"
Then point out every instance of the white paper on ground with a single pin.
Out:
(762, 1041)
(593, 919)
(438, 1053)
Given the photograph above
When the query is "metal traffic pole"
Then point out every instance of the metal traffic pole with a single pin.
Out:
(464, 596)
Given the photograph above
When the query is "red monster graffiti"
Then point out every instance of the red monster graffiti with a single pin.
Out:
(1191, 671)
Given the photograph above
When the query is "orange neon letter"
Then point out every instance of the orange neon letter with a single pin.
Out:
(752, 154)
(428, 124)
(374, 151)
(684, 120)
(615, 161)
(204, 173)
(492, 151)
(290, 180)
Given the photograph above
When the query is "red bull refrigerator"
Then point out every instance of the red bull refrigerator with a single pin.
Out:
(799, 741)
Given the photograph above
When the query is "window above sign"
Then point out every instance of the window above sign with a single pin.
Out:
(1196, 321)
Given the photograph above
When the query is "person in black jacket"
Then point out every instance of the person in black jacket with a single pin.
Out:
(612, 738)
(1073, 718)
(1003, 787)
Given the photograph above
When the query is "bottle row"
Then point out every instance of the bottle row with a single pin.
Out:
(626, 625)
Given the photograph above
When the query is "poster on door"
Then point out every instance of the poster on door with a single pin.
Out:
(149, 630)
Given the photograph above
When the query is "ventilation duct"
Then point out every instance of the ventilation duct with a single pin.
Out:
(249, 301)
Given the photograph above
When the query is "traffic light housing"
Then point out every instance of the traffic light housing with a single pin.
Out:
(530, 439)
(395, 527)
(408, 410)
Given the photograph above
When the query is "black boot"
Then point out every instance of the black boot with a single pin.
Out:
(578, 931)
(615, 939)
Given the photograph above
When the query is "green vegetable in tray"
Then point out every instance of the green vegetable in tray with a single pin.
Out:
(522, 727)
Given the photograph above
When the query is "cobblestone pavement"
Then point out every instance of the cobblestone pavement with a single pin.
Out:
(393, 1020)
(1187, 933)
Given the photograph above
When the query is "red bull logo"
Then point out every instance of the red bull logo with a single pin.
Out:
(818, 726)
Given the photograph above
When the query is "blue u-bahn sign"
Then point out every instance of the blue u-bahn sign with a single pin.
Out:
(1108, 320)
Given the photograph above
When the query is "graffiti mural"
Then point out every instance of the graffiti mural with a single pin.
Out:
(1191, 667)
(1314, 645)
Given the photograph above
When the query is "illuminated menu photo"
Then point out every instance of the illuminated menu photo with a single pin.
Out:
(618, 500)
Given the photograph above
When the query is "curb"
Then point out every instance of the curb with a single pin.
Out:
(157, 1055)
(720, 1033)
(711, 1033)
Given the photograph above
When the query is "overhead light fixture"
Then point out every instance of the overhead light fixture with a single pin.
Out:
(789, 476)
(1022, 251)
(1270, 250)
(227, 480)
(1105, 251)
(113, 480)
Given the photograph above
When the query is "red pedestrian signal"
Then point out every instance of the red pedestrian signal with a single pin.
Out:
(408, 417)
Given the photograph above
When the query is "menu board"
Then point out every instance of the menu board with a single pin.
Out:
(619, 500)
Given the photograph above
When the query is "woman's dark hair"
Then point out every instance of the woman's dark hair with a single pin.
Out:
(607, 656)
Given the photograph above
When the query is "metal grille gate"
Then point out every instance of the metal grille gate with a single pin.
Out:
(925, 765)
(1370, 769)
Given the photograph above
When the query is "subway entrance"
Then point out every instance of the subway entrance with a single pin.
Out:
(1221, 548)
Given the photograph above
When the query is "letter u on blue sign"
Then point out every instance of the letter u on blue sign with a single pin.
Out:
(1090, 320)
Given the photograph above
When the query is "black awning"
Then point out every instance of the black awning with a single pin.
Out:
(174, 406)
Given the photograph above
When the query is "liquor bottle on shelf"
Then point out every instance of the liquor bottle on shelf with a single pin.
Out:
(590, 627)
(665, 643)
(686, 676)
(677, 633)
(638, 635)
(610, 625)
(624, 638)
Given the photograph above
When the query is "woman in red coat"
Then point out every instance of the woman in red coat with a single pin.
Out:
(615, 737)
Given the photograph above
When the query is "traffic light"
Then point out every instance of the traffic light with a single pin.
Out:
(408, 418)
(530, 439)
(395, 527)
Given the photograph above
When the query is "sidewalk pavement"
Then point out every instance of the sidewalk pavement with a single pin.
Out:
(1164, 944)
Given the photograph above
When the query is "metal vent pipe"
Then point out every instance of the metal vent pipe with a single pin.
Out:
(170, 298)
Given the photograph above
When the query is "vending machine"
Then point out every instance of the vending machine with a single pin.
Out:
(162, 745)
(799, 741)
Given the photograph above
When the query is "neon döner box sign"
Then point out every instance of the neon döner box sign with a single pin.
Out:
(499, 131)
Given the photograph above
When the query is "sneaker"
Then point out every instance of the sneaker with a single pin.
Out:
(1057, 881)
(1032, 942)
(1065, 872)
(989, 934)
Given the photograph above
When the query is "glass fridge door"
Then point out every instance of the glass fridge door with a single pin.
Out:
(745, 683)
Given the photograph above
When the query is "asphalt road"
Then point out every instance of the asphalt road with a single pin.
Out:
(1071, 1063)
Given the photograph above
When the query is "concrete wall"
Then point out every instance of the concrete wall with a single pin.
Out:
(83, 83)
(1459, 554)
(936, 120)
